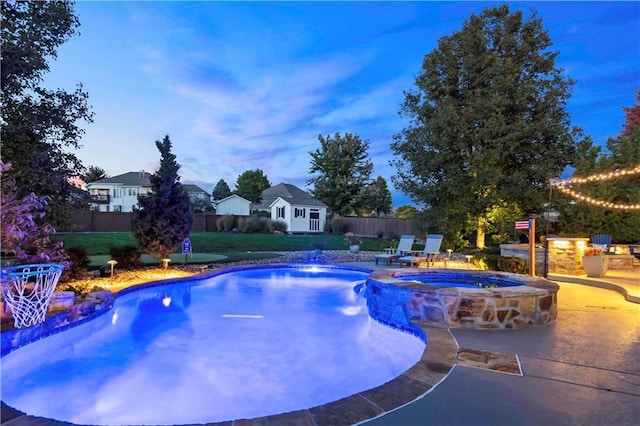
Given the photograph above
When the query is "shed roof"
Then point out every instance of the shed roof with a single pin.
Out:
(290, 193)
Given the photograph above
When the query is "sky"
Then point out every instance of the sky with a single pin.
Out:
(242, 86)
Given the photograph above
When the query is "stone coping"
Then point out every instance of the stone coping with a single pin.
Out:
(437, 360)
(528, 283)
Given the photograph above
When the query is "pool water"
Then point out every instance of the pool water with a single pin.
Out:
(460, 280)
(243, 344)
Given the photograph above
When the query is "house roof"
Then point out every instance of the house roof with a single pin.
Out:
(233, 196)
(289, 193)
(140, 178)
(194, 189)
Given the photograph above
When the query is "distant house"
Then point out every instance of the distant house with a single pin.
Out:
(197, 194)
(233, 204)
(120, 193)
(298, 209)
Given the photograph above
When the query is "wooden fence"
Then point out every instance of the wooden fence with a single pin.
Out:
(205, 222)
(121, 222)
(382, 226)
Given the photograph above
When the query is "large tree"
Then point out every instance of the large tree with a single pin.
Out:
(488, 124)
(343, 171)
(250, 185)
(378, 197)
(163, 218)
(221, 190)
(39, 127)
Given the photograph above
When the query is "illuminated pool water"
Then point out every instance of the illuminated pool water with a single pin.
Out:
(242, 344)
(460, 279)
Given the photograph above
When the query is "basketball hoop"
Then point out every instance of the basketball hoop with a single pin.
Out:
(27, 290)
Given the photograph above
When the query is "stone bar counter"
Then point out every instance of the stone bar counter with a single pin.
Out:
(565, 255)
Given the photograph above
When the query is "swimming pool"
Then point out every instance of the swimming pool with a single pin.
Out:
(240, 344)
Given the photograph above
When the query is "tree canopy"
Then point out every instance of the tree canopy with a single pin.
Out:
(343, 171)
(488, 124)
(250, 185)
(39, 127)
(221, 190)
(623, 153)
(163, 218)
(94, 173)
(20, 235)
(407, 212)
(377, 197)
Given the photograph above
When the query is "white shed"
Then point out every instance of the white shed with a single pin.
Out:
(301, 215)
(234, 204)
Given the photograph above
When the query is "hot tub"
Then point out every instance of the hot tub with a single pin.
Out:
(460, 299)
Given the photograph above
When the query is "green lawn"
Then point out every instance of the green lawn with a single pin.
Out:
(99, 243)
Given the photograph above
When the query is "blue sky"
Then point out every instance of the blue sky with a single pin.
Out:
(250, 85)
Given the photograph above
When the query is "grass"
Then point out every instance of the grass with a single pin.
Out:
(99, 243)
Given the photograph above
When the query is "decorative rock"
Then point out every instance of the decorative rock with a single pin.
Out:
(83, 309)
(471, 307)
(62, 300)
(100, 297)
(545, 303)
(489, 314)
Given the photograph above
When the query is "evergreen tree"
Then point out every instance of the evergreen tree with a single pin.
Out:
(221, 191)
(39, 127)
(343, 172)
(94, 173)
(250, 185)
(163, 218)
(487, 123)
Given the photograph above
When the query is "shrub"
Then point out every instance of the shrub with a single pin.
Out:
(338, 226)
(514, 265)
(277, 225)
(253, 224)
(380, 235)
(226, 223)
(79, 263)
(495, 262)
(261, 213)
(128, 257)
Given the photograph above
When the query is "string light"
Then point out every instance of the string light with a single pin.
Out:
(563, 186)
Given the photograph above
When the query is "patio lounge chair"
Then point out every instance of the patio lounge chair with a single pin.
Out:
(601, 241)
(430, 254)
(404, 246)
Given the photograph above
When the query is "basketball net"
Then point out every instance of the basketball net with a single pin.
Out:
(27, 290)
